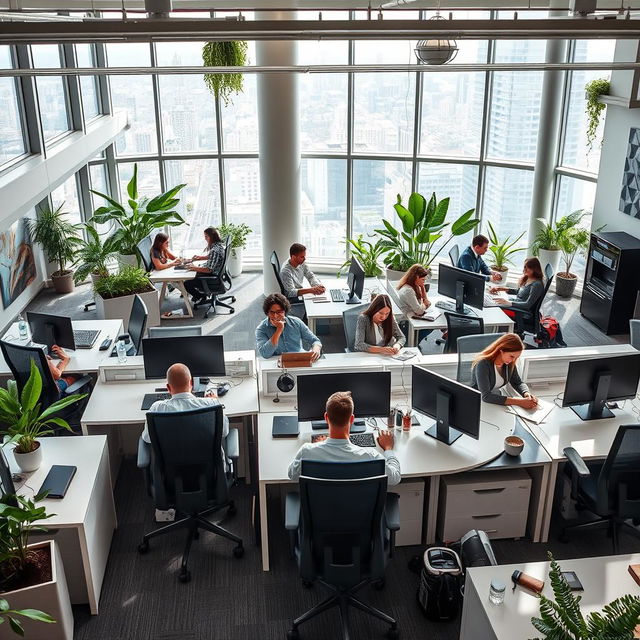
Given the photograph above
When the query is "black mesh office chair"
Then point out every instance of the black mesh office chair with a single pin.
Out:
(18, 358)
(468, 348)
(454, 255)
(344, 525)
(185, 470)
(610, 489)
(529, 321)
(349, 323)
(459, 325)
(634, 333)
(214, 288)
(144, 253)
(297, 304)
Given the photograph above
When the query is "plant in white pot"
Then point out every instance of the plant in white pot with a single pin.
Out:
(502, 251)
(31, 574)
(59, 239)
(238, 233)
(545, 245)
(26, 421)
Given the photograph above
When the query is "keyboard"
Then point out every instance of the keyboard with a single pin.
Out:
(85, 338)
(489, 301)
(336, 295)
(363, 439)
(150, 398)
(451, 306)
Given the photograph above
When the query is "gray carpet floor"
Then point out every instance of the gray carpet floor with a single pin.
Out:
(233, 599)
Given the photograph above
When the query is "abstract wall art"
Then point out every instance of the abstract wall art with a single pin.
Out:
(630, 195)
(17, 264)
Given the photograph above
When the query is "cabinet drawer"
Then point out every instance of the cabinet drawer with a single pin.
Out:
(485, 501)
(497, 525)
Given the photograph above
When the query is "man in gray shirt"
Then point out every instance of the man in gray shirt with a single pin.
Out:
(338, 448)
(295, 270)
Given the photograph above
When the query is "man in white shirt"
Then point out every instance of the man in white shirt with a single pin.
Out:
(295, 270)
(338, 448)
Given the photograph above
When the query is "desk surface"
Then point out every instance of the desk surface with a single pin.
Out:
(171, 275)
(82, 360)
(604, 579)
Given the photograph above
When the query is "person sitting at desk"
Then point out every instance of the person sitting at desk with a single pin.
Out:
(530, 288)
(214, 258)
(62, 380)
(471, 258)
(377, 330)
(338, 448)
(161, 257)
(295, 270)
(412, 294)
(494, 367)
(279, 333)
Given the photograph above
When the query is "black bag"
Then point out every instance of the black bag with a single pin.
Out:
(550, 334)
(439, 587)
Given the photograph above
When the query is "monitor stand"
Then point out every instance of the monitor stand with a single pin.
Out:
(460, 305)
(441, 430)
(597, 408)
(352, 299)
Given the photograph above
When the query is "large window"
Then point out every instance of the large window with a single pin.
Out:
(242, 194)
(88, 84)
(66, 195)
(52, 92)
(11, 136)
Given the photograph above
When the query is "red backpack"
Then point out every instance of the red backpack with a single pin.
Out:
(550, 335)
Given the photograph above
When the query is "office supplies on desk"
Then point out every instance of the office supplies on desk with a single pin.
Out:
(85, 338)
(293, 359)
(320, 299)
(285, 427)
(57, 481)
(222, 389)
(572, 580)
(363, 439)
(106, 344)
(536, 415)
(527, 581)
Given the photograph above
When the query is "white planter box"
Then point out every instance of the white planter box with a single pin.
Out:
(234, 265)
(120, 308)
(50, 597)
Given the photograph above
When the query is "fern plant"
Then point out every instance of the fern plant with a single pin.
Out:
(595, 89)
(224, 54)
(561, 618)
(502, 250)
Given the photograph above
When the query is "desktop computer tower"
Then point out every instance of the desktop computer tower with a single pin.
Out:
(612, 281)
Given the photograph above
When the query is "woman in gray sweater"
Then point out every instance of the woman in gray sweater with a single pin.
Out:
(530, 288)
(377, 330)
(494, 367)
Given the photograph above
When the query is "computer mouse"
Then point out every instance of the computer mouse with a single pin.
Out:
(222, 389)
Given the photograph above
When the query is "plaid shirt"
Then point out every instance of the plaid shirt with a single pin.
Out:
(216, 257)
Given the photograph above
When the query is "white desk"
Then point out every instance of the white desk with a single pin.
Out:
(82, 360)
(419, 456)
(604, 579)
(85, 518)
(177, 277)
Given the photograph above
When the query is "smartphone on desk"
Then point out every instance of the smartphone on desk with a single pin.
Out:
(58, 480)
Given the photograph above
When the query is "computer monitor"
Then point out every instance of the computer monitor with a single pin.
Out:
(455, 407)
(7, 487)
(465, 287)
(204, 355)
(592, 382)
(48, 329)
(355, 280)
(371, 393)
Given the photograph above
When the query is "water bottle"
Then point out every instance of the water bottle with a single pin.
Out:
(22, 328)
(121, 350)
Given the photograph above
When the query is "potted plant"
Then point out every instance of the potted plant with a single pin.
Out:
(561, 618)
(224, 54)
(502, 251)
(32, 573)
(238, 233)
(571, 241)
(593, 107)
(367, 255)
(422, 226)
(59, 239)
(7, 613)
(545, 245)
(139, 217)
(115, 291)
(26, 422)
(93, 256)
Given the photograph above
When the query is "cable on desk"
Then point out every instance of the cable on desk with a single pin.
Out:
(560, 397)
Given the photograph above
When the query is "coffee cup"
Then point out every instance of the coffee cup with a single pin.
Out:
(513, 445)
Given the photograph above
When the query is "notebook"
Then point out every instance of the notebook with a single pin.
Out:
(536, 415)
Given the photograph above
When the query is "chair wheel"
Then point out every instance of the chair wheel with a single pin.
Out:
(232, 510)
(232, 310)
(143, 547)
(184, 575)
(293, 634)
(393, 633)
(238, 551)
(378, 585)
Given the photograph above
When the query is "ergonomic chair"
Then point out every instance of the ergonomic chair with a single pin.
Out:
(634, 333)
(215, 289)
(185, 469)
(459, 325)
(349, 323)
(144, 252)
(454, 255)
(468, 348)
(529, 321)
(297, 304)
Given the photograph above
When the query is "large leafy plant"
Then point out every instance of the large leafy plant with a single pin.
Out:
(23, 414)
(238, 233)
(423, 224)
(502, 250)
(367, 253)
(126, 282)
(94, 255)
(561, 618)
(550, 233)
(136, 219)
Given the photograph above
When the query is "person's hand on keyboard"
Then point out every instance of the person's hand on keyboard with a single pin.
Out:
(385, 440)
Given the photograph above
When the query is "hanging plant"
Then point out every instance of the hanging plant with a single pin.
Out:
(595, 89)
(224, 54)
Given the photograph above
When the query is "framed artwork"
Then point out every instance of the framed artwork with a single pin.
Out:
(630, 194)
(17, 264)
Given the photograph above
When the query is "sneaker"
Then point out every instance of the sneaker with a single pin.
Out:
(165, 516)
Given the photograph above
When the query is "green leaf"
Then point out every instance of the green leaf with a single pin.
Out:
(58, 405)
(132, 187)
(390, 228)
(440, 213)
(418, 206)
(35, 614)
(16, 627)
(462, 221)
(406, 217)
(160, 202)
(32, 388)
(114, 203)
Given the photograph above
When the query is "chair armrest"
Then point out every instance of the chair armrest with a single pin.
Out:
(392, 512)
(77, 385)
(292, 511)
(144, 454)
(233, 444)
(577, 462)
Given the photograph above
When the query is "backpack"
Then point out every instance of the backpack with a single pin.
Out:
(549, 335)
(440, 580)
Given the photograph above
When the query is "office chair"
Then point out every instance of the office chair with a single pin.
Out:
(454, 255)
(609, 489)
(226, 276)
(345, 534)
(634, 333)
(529, 321)
(297, 304)
(349, 322)
(18, 358)
(214, 287)
(174, 332)
(143, 249)
(468, 348)
(459, 325)
(185, 470)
